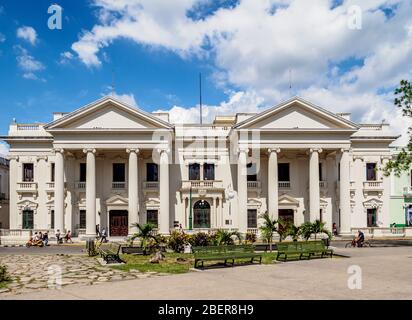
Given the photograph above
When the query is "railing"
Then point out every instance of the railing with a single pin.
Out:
(151, 185)
(80, 185)
(253, 230)
(50, 185)
(253, 184)
(118, 185)
(323, 184)
(374, 231)
(372, 185)
(206, 184)
(284, 184)
(28, 127)
(407, 191)
(27, 186)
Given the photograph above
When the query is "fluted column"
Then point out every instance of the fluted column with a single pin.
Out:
(90, 192)
(242, 190)
(273, 184)
(59, 191)
(164, 218)
(344, 197)
(133, 188)
(314, 192)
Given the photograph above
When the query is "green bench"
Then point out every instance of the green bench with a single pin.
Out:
(110, 252)
(302, 249)
(225, 253)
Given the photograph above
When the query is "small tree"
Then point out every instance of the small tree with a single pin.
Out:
(225, 237)
(319, 227)
(294, 232)
(146, 234)
(283, 229)
(306, 230)
(268, 228)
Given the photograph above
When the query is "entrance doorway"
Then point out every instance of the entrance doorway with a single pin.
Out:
(371, 216)
(119, 223)
(287, 215)
(201, 213)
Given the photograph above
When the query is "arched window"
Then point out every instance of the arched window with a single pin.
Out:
(201, 211)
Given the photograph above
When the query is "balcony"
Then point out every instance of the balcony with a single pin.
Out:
(284, 185)
(27, 187)
(151, 185)
(80, 185)
(202, 184)
(118, 185)
(253, 184)
(372, 186)
(407, 191)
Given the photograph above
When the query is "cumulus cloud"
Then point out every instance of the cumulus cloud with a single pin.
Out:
(66, 57)
(4, 150)
(28, 64)
(126, 98)
(28, 34)
(264, 46)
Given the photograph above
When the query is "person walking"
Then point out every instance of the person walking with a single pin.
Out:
(58, 236)
(46, 239)
(68, 237)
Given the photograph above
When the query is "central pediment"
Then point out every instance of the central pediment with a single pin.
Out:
(111, 114)
(297, 114)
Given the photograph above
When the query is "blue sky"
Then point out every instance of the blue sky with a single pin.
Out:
(248, 51)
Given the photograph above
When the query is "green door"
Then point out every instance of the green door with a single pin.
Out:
(201, 211)
(28, 221)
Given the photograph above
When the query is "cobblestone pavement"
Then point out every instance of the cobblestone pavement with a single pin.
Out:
(32, 272)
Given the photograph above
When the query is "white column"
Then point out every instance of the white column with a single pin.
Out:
(59, 191)
(90, 192)
(314, 197)
(242, 190)
(164, 219)
(344, 197)
(273, 184)
(133, 189)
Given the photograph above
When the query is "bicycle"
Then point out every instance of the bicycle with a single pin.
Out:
(353, 244)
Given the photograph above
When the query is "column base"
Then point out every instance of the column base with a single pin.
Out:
(88, 236)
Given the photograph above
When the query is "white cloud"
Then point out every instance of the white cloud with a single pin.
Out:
(126, 98)
(4, 149)
(2, 37)
(28, 64)
(28, 34)
(256, 45)
(66, 57)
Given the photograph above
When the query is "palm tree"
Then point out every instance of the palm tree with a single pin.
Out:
(294, 232)
(306, 230)
(283, 229)
(268, 228)
(319, 227)
(225, 237)
(146, 234)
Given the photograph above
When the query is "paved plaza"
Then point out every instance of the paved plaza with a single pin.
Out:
(385, 275)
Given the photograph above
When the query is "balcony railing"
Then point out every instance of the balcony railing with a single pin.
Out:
(372, 185)
(323, 184)
(407, 191)
(151, 185)
(253, 230)
(201, 184)
(27, 186)
(50, 185)
(80, 185)
(284, 184)
(118, 185)
(253, 184)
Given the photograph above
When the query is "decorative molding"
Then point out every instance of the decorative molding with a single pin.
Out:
(136, 150)
(86, 151)
(270, 150)
(318, 150)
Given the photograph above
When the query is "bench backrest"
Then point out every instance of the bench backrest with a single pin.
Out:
(301, 245)
(112, 246)
(208, 250)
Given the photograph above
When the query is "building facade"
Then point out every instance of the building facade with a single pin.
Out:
(4, 194)
(401, 197)
(113, 165)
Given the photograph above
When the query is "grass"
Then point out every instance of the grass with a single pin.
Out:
(172, 265)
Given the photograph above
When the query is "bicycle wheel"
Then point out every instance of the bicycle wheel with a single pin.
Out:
(367, 244)
(348, 245)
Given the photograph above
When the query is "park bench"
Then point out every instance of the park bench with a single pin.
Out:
(302, 249)
(110, 252)
(225, 253)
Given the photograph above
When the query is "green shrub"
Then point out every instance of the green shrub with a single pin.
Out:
(4, 275)
(250, 237)
(177, 241)
(200, 239)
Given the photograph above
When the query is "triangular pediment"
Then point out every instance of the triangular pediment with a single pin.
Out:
(297, 114)
(372, 203)
(117, 200)
(285, 199)
(108, 113)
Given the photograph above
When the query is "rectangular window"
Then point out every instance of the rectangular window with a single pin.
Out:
(251, 172)
(371, 215)
(371, 171)
(284, 172)
(208, 171)
(320, 172)
(28, 172)
(194, 171)
(119, 172)
(152, 172)
(82, 222)
(152, 217)
(252, 218)
(28, 219)
(83, 168)
(52, 173)
(52, 219)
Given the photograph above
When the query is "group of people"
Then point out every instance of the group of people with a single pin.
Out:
(67, 237)
(40, 237)
(102, 235)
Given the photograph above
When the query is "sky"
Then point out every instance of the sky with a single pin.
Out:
(346, 56)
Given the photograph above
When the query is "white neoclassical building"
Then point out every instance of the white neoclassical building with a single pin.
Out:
(112, 165)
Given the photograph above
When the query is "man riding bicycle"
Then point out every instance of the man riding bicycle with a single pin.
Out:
(358, 240)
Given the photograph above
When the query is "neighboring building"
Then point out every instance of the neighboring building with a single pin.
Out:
(111, 164)
(401, 197)
(4, 193)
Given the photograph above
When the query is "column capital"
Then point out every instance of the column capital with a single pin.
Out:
(136, 150)
(318, 150)
(358, 157)
(243, 150)
(343, 150)
(59, 150)
(270, 150)
(88, 150)
(161, 150)
(14, 158)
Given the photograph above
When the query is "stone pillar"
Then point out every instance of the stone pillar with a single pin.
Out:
(59, 191)
(133, 189)
(314, 196)
(90, 192)
(242, 190)
(273, 184)
(344, 197)
(164, 218)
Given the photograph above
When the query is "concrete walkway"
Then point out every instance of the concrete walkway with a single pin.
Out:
(385, 275)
